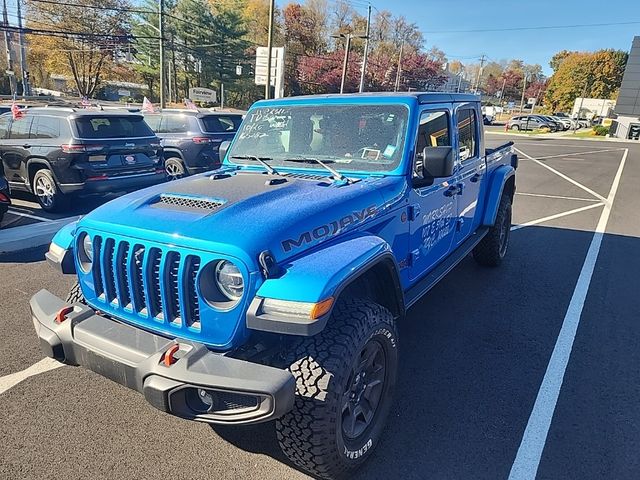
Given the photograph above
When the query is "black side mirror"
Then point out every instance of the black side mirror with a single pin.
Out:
(222, 150)
(434, 162)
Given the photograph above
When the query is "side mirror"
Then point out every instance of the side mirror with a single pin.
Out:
(222, 150)
(435, 162)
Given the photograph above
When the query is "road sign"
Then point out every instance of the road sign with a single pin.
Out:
(203, 94)
(124, 93)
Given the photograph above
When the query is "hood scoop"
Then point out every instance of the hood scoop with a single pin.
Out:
(187, 202)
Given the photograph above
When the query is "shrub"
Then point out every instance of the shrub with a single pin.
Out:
(600, 131)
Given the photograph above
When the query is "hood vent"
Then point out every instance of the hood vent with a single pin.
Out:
(188, 202)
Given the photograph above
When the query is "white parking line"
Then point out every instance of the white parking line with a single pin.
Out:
(562, 175)
(527, 461)
(573, 145)
(561, 197)
(13, 211)
(579, 153)
(557, 215)
(9, 381)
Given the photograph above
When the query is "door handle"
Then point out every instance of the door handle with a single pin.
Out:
(452, 190)
(26, 145)
(476, 177)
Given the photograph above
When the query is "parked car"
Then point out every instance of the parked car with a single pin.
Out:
(5, 198)
(191, 139)
(270, 289)
(55, 153)
(530, 122)
(566, 122)
(548, 118)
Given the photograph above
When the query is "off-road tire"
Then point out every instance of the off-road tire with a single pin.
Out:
(57, 201)
(311, 435)
(75, 295)
(493, 247)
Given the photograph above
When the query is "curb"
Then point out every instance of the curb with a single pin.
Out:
(32, 235)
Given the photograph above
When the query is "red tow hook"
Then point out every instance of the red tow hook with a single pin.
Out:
(61, 316)
(169, 358)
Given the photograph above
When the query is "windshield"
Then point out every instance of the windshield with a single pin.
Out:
(354, 137)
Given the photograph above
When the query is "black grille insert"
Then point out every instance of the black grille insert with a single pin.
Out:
(191, 203)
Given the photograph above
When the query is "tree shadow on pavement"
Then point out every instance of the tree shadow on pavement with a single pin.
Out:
(473, 354)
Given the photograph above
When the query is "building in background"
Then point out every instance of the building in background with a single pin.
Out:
(627, 109)
(592, 107)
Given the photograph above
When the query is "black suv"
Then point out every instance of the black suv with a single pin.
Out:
(191, 139)
(56, 152)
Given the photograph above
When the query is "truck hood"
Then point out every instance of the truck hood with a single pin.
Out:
(243, 212)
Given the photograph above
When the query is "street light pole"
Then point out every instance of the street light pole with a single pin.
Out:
(524, 87)
(163, 102)
(267, 87)
(26, 90)
(365, 54)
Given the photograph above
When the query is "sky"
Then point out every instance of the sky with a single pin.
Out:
(533, 46)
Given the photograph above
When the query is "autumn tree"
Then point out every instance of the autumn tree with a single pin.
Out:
(92, 33)
(597, 74)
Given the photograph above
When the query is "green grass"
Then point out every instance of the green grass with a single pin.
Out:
(587, 134)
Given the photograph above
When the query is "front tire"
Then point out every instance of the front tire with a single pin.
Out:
(174, 168)
(47, 192)
(75, 295)
(515, 127)
(345, 377)
(493, 247)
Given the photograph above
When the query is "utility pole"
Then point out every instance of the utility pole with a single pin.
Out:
(584, 92)
(399, 69)
(365, 55)
(267, 87)
(7, 44)
(524, 87)
(477, 86)
(26, 89)
(163, 102)
(345, 65)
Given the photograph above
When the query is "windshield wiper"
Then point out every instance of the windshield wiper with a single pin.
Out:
(334, 173)
(261, 160)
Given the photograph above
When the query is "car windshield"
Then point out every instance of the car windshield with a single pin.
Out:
(351, 137)
(109, 126)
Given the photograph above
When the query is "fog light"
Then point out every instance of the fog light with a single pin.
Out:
(200, 400)
(206, 398)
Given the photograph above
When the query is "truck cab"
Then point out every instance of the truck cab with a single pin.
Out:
(271, 287)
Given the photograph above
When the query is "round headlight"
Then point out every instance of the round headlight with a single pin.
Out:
(229, 280)
(85, 252)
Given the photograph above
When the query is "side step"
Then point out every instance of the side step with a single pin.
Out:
(416, 292)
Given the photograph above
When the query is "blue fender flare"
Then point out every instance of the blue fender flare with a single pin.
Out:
(60, 254)
(497, 182)
(316, 277)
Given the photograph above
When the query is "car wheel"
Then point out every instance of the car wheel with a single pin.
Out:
(345, 377)
(515, 127)
(493, 247)
(174, 168)
(49, 196)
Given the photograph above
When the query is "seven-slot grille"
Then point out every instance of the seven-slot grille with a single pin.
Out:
(147, 281)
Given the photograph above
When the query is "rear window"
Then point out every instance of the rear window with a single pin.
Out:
(221, 123)
(112, 127)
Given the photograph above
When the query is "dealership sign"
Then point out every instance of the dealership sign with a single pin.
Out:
(203, 94)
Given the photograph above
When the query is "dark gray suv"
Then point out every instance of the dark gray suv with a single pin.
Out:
(56, 153)
(191, 139)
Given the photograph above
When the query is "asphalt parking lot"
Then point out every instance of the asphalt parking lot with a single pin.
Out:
(533, 365)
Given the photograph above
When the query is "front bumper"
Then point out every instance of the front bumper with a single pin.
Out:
(239, 391)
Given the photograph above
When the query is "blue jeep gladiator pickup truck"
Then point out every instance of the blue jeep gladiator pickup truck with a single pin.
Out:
(271, 287)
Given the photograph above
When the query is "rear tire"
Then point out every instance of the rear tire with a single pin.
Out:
(345, 377)
(174, 168)
(493, 247)
(47, 192)
(515, 127)
(75, 295)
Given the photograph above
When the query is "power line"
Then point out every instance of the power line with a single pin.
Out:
(95, 7)
(546, 27)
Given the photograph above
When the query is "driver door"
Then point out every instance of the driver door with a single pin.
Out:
(433, 202)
